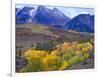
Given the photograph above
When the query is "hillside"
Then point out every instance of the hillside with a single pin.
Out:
(28, 34)
(81, 23)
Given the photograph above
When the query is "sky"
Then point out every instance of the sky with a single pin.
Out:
(68, 11)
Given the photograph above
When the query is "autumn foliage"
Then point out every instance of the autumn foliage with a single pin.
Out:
(61, 57)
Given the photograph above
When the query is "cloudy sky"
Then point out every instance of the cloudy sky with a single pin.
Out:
(68, 11)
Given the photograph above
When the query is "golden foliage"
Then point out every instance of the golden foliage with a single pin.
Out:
(51, 62)
(65, 65)
(35, 53)
(76, 47)
(63, 56)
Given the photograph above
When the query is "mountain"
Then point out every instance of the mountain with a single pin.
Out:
(81, 23)
(41, 15)
(23, 15)
(48, 16)
(17, 10)
(59, 17)
(54, 17)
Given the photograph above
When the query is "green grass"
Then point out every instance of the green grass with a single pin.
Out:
(35, 28)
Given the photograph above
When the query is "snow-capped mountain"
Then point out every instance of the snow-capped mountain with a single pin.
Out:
(54, 17)
(23, 15)
(41, 15)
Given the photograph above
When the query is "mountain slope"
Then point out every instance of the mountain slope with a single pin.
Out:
(41, 15)
(81, 23)
(59, 17)
(27, 34)
(47, 16)
(23, 15)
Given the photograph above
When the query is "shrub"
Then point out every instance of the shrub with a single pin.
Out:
(35, 53)
(67, 56)
(51, 63)
(60, 58)
(34, 64)
(65, 65)
(46, 46)
(78, 58)
(74, 60)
